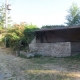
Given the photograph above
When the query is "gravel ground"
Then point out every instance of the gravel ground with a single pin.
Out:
(10, 66)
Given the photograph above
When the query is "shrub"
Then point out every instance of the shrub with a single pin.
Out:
(20, 35)
(29, 32)
(14, 35)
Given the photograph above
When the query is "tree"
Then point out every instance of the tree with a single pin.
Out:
(29, 32)
(73, 18)
(52, 26)
(2, 15)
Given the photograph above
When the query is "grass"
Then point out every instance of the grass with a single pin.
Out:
(49, 68)
(14, 74)
(45, 68)
(50, 75)
(75, 57)
(22, 56)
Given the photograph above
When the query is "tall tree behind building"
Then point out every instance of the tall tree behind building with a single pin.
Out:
(2, 15)
(73, 17)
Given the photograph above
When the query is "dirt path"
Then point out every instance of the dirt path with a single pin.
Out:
(16, 68)
(7, 62)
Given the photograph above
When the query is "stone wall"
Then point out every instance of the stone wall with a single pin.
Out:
(58, 49)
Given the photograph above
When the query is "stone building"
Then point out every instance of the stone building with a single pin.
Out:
(58, 42)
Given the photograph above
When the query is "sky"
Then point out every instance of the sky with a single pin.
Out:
(40, 12)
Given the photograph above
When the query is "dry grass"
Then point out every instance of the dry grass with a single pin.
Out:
(53, 69)
(43, 68)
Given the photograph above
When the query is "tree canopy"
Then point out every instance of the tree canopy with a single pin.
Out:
(73, 17)
(2, 15)
(52, 26)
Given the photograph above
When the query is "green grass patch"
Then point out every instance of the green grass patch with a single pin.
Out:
(22, 56)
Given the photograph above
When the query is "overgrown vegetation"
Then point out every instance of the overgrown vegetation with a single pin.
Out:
(19, 36)
(52, 26)
(73, 17)
(2, 17)
(29, 32)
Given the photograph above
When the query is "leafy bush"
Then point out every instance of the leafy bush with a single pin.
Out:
(14, 35)
(53, 26)
(20, 35)
(29, 32)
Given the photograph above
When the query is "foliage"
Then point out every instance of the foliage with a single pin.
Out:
(73, 17)
(14, 34)
(2, 15)
(22, 56)
(52, 26)
(1, 28)
(29, 32)
(20, 35)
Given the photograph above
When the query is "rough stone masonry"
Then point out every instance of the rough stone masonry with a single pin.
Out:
(57, 49)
